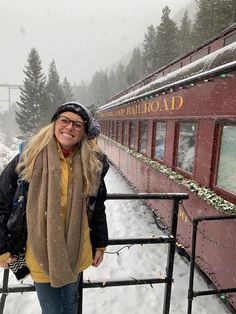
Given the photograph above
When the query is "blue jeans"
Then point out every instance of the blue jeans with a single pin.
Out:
(63, 300)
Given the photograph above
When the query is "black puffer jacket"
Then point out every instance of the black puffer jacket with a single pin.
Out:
(13, 199)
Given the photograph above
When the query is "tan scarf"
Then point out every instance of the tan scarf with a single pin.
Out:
(57, 253)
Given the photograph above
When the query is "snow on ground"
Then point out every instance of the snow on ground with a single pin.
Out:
(7, 153)
(129, 219)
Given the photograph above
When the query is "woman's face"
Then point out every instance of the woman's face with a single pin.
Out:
(69, 129)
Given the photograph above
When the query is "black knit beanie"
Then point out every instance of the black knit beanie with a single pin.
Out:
(92, 128)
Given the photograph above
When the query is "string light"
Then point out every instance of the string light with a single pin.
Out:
(223, 75)
(222, 296)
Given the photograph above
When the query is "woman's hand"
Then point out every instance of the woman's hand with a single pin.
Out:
(4, 264)
(98, 257)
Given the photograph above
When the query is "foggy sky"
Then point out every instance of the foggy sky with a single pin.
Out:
(82, 36)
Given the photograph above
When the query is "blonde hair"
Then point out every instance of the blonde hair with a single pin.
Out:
(40, 140)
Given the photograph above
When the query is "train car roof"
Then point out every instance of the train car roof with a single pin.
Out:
(224, 32)
(221, 60)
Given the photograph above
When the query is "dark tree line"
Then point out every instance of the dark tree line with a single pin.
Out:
(161, 44)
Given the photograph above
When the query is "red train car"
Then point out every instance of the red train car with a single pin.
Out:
(177, 133)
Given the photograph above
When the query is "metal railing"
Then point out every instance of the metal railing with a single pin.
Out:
(170, 240)
(191, 293)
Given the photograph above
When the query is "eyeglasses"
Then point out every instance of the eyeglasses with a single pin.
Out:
(64, 121)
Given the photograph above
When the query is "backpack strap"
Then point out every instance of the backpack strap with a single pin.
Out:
(21, 145)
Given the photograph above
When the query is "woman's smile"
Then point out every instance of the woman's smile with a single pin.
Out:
(67, 135)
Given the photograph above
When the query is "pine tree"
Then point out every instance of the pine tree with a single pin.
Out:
(135, 68)
(105, 88)
(99, 88)
(184, 35)
(149, 50)
(211, 18)
(166, 39)
(112, 84)
(55, 93)
(81, 93)
(32, 105)
(93, 109)
(67, 90)
(120, 78)
(225, 14)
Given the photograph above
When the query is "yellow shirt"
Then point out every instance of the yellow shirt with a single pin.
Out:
(36, 272)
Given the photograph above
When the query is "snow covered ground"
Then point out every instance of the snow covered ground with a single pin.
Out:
(129, 219)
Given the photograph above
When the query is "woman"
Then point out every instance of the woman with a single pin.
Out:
(59, 182)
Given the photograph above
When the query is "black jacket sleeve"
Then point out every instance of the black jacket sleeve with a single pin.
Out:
(8, 185)
(98, 226)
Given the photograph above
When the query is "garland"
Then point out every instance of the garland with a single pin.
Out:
(204, 193)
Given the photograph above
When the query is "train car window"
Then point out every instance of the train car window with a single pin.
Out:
(101, 125)
(109, 128)
(143, 136)
(131, 134)
(105, 127)
(175, 67)
(199, 54)
(160, 140)
(118, 132)
(124, 132)
(113, 130)
(186, 146)
(230, 39)
(226, 168)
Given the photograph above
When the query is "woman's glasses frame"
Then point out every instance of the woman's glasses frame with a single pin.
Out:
(64, 121)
